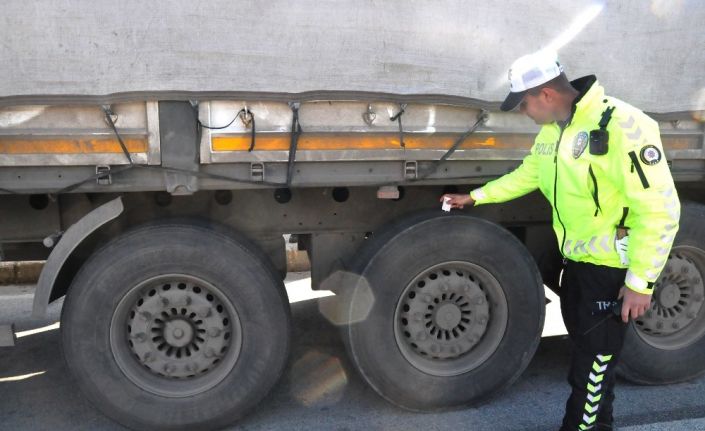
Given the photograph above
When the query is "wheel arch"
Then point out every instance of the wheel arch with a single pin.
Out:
(57, 273)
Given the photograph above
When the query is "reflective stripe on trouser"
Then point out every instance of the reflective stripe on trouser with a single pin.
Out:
(594, 354)
(594, 391)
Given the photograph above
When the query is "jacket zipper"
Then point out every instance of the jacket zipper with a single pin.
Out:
(555, 187)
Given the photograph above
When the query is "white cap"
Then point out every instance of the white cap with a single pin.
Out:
(528, 72)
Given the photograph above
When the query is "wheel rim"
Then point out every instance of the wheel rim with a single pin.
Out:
(175, 335)
(450, 318)
(676, 317)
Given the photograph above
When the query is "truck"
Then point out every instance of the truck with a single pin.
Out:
(154, 156)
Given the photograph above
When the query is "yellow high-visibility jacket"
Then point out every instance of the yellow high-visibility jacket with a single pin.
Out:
(629, 185)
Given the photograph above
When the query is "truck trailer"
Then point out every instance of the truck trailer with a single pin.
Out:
(154, 156)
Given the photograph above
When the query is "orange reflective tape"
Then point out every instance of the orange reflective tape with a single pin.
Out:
(12, 145)
(386, 141)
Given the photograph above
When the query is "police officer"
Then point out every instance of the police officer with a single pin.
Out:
(600, 163)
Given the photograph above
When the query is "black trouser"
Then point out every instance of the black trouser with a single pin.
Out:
(585, 291)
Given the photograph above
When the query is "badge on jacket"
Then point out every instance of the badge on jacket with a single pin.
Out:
(650, 155)
(579, 143)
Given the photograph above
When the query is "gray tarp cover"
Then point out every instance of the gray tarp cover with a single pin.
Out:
(650, 53)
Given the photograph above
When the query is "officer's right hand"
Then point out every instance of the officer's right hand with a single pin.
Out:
(458, 200)
(634, 304)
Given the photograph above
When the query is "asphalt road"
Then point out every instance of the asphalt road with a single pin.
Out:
(321, 390)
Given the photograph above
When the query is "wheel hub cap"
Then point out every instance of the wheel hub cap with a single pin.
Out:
(179, 330)
(178, 333)
(447, 317)
(677, 299)
(450, 318)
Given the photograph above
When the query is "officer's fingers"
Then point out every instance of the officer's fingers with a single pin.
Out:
(442, 197)
(621, 293)
(625, 312)
(635, 311)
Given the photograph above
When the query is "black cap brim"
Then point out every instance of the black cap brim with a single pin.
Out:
(512, 101)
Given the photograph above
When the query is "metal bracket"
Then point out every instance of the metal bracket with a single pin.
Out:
(257, 171)
(105, 179)
(411, 169)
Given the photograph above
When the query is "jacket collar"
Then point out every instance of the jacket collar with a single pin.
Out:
(590, 94)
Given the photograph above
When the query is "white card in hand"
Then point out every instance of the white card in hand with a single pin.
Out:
(446, 204)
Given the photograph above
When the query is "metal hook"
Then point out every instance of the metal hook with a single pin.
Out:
(246, 116)
(369, 116)
(108, 110)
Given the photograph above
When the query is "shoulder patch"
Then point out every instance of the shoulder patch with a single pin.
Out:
(650, 155)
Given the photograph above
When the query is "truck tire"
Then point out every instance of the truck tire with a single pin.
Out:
(176, 326)
(667, 344)
(454, 309)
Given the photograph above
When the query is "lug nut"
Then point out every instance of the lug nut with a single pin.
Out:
(165, 302)
(146, 316)
(214, 332)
